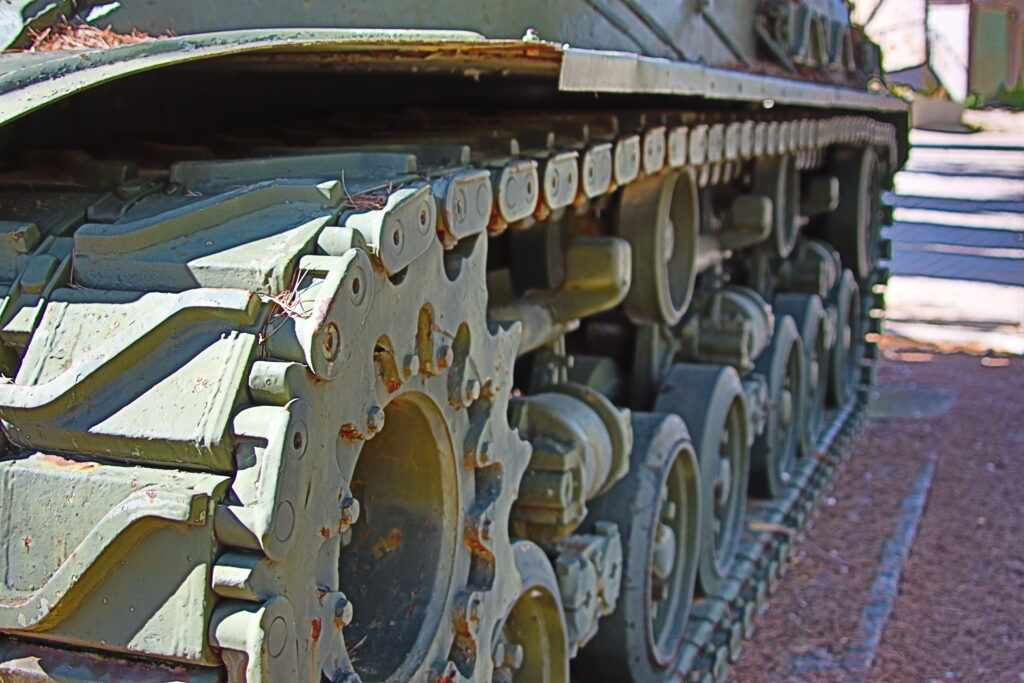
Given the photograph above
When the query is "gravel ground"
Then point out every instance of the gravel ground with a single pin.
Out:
(959, 614)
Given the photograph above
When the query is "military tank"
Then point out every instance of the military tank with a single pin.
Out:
(468, 342)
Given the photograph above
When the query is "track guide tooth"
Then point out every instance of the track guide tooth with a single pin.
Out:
(400, 231)
(560, 179)
(698, 152)
(654, 150)
(627, 160)
(465, 200)
(516, 190)
(678, 146)
(596, 169)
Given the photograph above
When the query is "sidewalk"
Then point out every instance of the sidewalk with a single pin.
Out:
(958, 238)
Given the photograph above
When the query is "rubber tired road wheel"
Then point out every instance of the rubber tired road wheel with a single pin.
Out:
(808, 312)
(773, 454)
(848, 350)
(711, 401)
(657, 508)
(853, 228)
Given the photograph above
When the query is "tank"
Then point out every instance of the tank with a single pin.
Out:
(459, 341)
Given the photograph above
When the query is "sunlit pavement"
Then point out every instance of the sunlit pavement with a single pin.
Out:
(958, 238)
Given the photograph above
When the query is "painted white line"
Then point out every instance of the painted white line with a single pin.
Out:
(877, 610)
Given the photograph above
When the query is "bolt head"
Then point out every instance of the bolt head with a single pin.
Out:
(476, 608)
(513, 656)
(449, 674)
(343, 611)
(374, 420)
(330, 342)
(483, 526)
(349, 510)
(471, 391)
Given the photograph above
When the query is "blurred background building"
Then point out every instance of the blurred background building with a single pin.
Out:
(970, 50)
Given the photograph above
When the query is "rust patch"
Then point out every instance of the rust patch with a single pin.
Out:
(314, 630)
(58, 461)
(350, 432)
(325, 532)
(496, 225)
(392, 385)
(28, 541)
(390, 544)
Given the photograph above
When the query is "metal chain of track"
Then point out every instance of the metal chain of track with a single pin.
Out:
(618, 156)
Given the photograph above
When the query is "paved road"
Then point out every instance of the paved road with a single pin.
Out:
(958, 234)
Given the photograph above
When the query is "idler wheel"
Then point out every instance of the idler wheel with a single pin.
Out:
(660, 216)
(853, 228)
(848, 350)
(657, 508)
(773, 453)
(808, 313)
(710, 400)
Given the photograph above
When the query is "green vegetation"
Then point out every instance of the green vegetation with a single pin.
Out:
(1012, 97)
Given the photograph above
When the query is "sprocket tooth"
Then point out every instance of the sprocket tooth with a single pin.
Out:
(270, 479)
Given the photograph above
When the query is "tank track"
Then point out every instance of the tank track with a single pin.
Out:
(277, 323)
(719, 625)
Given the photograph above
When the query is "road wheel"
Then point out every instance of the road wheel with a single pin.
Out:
(710, 400)
(848, 350)
(853, 228)
(808, 313)
(657, 508)
(773, 453)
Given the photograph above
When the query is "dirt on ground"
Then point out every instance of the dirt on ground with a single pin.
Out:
(959, 614)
